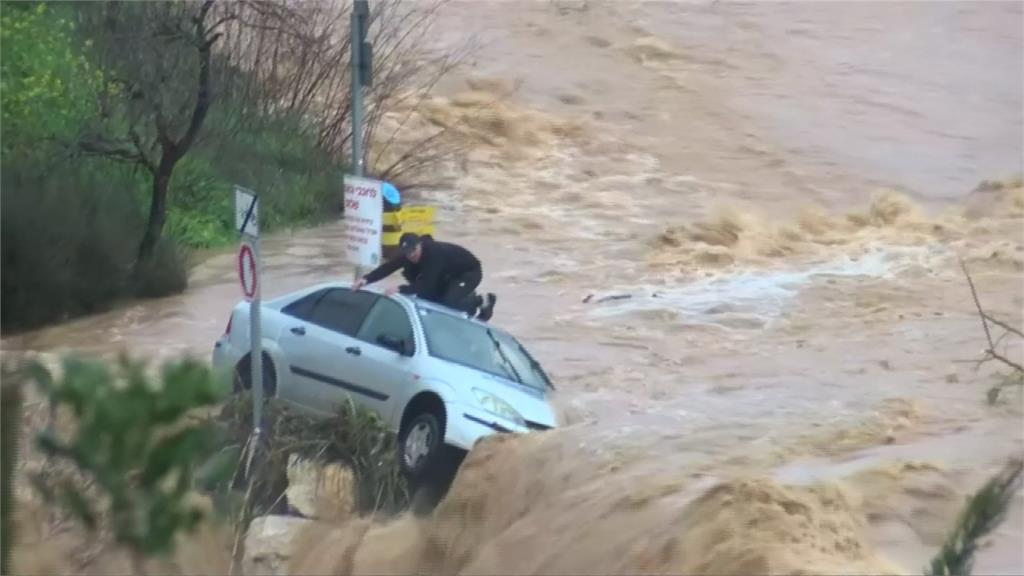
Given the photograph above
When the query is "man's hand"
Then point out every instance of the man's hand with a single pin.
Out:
(358, 284)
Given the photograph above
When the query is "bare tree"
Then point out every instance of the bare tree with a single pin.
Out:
(159, 89)
(407, 75)
(298, 54)
(167, 62)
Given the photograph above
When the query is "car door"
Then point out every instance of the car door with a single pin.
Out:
(294, 321)
(320, 344)
(380, 365)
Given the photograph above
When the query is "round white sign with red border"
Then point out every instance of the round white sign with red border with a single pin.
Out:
(247, 271)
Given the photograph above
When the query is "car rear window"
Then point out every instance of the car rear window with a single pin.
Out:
(342, 310)
(303, 307)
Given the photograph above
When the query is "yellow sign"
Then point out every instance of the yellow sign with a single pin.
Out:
(420, 229)
(422, 214)
(415, 219)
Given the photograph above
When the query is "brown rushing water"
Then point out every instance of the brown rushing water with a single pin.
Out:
(793, 340)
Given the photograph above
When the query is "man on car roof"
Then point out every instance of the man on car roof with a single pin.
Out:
(440, 272)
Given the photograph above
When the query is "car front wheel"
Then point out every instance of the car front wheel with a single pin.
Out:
(419, 445)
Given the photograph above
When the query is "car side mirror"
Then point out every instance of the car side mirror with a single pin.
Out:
(393, 344)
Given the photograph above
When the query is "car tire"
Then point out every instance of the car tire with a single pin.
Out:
(243, 376)
(420, 444)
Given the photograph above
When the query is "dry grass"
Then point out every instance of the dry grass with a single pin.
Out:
(354, 437)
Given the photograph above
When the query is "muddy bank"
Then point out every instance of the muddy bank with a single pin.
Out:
(594, 517)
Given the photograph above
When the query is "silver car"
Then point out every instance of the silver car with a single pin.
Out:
(437, 377)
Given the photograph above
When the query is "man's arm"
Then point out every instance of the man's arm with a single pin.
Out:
(384, 270)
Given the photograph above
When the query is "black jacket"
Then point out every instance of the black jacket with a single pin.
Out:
(439, 262)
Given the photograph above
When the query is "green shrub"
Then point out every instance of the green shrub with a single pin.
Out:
(983, 513)
(67, 236)
(48, 85)
(298, 183)
(133, 450)
(164, 273)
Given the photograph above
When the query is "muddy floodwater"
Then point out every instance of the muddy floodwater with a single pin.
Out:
(777, 195)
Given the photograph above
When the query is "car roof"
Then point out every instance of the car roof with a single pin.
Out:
(441, 309)
(417, 302)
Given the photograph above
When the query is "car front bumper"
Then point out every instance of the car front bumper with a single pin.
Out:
(467, 425)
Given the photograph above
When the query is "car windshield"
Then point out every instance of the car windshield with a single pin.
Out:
(482, 348)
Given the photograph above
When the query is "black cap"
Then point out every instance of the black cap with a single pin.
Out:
(408, 243)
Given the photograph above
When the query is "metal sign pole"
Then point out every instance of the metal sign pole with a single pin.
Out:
(256, 352)
(360, 14)
(359, 10)
(247, 220)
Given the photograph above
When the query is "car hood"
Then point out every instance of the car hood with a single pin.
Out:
(532, 404)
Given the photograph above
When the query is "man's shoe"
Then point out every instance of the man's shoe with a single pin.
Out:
(487, 310)
(477, 302)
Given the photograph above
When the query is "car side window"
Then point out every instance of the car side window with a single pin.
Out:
(342, 310)
(387, 318)
(303, 307)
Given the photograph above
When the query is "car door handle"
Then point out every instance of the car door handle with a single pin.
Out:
(354, 350)
(299, 330)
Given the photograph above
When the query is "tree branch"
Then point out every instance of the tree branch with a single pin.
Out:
(202, 105)
(977, 303)
(1003, 325)
(991, 353)
(119, 150)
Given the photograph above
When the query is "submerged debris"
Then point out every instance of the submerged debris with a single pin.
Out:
(590, 298)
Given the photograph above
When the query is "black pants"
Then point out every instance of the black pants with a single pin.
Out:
(459, 292)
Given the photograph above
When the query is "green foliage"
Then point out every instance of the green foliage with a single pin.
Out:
(984, 511)
(71, 224)
(67, 235)
(134, 449)
(1013, 379)
(48, 84)
(354, 436)
(163, 274)
(150, 48)
(298, 182)
(10, 433)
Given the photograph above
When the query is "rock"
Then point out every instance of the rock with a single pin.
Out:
(327, 549)
(270, 543)
(364, 546)
(397, 547)
(322, 491)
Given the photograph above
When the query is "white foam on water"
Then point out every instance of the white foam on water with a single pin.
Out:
(758, 295)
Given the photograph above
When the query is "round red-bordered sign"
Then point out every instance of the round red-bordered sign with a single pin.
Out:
(247, 271)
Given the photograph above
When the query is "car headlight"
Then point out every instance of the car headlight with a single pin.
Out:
(497, 406)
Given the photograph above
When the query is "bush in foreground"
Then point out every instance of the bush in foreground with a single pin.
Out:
(353, 436)
(128, 463)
